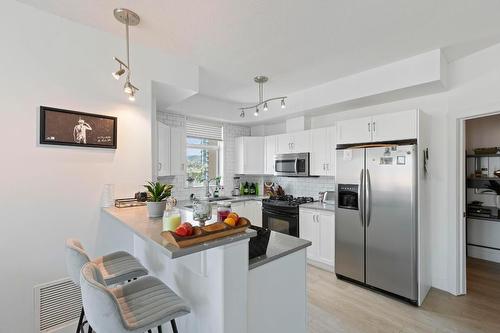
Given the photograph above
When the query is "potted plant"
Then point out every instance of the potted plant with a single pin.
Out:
(157, 193)
(495, 187)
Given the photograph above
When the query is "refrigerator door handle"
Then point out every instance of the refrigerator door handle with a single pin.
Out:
(361, 192)
(368, 198)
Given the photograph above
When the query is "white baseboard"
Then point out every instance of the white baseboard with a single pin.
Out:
(483, 253)
(321, 265)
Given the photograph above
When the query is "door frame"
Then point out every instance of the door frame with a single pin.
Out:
(461, 197)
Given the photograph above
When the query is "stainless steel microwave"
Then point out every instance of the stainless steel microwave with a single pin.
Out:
(291, 165)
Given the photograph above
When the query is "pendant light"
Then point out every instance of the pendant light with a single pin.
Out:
(260, 80)
(128, 18)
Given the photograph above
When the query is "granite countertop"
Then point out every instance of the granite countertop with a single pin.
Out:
(183, 203)
(136, 219)
(319, 205)
(279, 246)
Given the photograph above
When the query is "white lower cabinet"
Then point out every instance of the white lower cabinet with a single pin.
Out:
(250, 209)
(318, 227)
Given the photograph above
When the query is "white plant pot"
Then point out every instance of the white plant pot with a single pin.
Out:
(155, 209)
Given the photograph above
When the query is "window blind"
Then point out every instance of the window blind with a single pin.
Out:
(203, 130)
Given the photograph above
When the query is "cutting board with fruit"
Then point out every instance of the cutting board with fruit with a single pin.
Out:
(186, 235)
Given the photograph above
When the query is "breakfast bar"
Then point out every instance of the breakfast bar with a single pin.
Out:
(226, 291)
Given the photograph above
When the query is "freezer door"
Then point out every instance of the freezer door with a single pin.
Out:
(349, 229)
(391, 219)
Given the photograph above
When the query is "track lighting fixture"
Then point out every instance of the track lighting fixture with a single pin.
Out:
(118, 73)
(129, 18)
(260, 80)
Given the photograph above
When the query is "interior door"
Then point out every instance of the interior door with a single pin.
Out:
(349, 222)
(391, 232)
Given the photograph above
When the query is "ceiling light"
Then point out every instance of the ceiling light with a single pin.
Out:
(128, 18)
(128, 88)
(260, 80)
(118, 73)
(131, 96)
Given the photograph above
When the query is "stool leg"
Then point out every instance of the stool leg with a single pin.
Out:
(90, 329)
(174, 326)
(80, 322)
(159, 329)
(149, 331)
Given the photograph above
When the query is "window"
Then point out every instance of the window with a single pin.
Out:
(204, 152)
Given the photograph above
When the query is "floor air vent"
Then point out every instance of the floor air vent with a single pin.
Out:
(57, 304)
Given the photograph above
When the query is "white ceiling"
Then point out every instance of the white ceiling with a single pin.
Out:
(299, 44)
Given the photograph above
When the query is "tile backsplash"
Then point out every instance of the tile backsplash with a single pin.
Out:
(296, 186)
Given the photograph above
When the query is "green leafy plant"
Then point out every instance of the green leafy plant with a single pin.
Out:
(158, 191)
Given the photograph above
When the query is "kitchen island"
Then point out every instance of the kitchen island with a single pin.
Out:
(226, 292)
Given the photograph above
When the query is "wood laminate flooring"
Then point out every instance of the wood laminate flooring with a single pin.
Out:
(339, 306)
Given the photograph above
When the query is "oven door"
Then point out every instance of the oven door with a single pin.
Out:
(284, 222)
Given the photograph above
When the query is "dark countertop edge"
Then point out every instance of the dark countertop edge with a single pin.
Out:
(174, 252)
(262, 260)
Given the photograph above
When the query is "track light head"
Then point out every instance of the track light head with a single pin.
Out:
(131, 97)
(242, 113)
(265, 106)
(283, 103)
(118, 73)
(128, 88)
(256, 113)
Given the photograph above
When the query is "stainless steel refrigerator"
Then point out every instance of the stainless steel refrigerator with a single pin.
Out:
(376, 218)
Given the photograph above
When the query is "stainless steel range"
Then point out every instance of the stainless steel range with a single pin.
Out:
(281, 213)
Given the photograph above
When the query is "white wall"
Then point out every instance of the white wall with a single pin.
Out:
(50, 193)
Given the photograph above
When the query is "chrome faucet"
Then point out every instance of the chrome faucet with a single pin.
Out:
(207, 187)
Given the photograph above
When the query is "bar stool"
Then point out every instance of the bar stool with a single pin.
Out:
(116, 267)
(135, 307)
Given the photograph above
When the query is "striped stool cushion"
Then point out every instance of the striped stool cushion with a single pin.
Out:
(147, 303)
(119, 267)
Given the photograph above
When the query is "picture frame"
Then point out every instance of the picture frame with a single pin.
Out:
(73, 128)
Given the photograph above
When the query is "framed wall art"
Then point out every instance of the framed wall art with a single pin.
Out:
(73, 128)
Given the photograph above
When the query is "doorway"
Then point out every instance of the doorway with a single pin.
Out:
(481, 200)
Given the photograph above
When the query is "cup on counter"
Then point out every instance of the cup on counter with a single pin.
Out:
(171, 219)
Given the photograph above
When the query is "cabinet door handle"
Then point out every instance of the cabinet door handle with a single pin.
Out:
(374, 129)
(159, 166)
(369, 127)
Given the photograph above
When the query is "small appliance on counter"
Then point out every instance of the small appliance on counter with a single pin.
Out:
(236, 187)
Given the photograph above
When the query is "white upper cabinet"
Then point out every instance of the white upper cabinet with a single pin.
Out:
(323, 144)
(298, 142)
(163, 150)
(177, 151)
(354, 130)
(250, 150)
(271, 146)
(395, 126)
(379, 128)
(171, 150)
